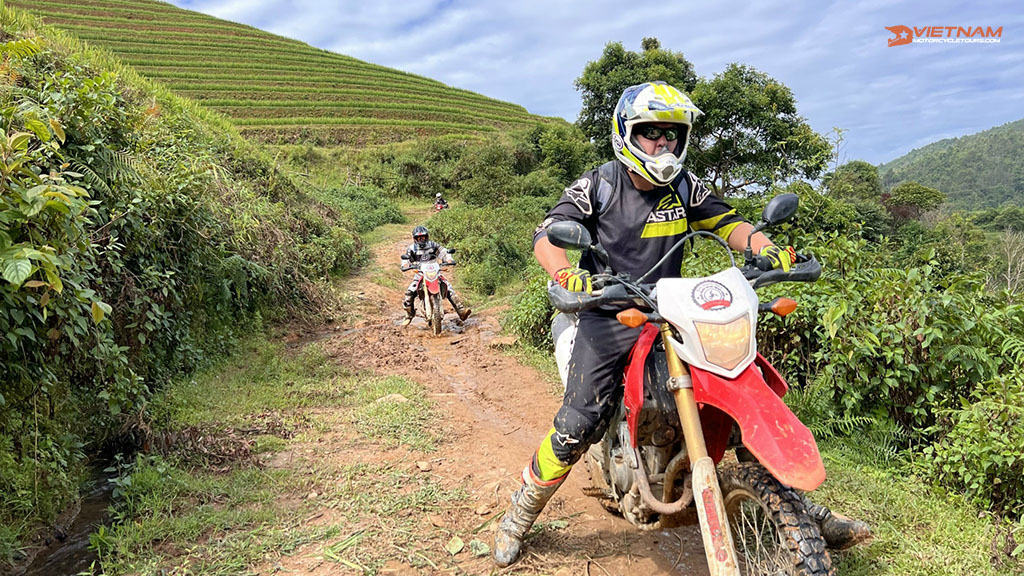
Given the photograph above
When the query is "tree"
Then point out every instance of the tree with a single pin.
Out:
(750, 134)
(1011, 244)
(855, 180)
(604, 79)
(909, 200)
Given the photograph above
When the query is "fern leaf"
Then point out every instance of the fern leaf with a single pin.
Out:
(21, 48)
(91, 177)
(1014, 347)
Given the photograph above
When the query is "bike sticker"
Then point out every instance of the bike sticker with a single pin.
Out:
(617, 142)
(714, 525)
(712, 295)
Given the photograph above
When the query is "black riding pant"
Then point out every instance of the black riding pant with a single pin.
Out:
(594, 384)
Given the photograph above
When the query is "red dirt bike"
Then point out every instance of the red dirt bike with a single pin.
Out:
(432, 290)
(694, 387)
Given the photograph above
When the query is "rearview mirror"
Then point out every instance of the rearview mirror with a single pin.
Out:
(569, 235)
(780, 208)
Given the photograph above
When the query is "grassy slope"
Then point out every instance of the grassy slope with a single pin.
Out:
(276, 89)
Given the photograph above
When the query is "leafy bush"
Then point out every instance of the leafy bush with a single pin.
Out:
(910, 200)
(980, 450)
(530, 315)
(495, 244)
(138, 233)
(367, 206)
(427, 168)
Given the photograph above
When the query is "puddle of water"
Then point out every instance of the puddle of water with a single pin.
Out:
(72, 555)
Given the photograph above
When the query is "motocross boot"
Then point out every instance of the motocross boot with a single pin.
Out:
(410, 309)
(527, 502)
(460, 307)
(838, 531)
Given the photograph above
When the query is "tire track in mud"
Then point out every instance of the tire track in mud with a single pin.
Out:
(495, 411)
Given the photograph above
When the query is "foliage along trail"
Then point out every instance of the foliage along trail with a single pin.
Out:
(492, 410)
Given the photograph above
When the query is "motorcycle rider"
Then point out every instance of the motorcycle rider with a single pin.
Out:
(423, 248)
(439, 202)
(637, 207)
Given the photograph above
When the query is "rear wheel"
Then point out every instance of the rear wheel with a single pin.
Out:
(436, 314)
(773, 532)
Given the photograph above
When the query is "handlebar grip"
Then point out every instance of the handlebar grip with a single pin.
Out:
(806, 269)
(569, 302)
(566, 301)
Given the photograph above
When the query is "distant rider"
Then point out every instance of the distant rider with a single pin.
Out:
(439, 202)
(423, 248)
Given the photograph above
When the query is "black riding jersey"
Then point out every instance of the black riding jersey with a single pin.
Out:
(430, 251)
(638, 227)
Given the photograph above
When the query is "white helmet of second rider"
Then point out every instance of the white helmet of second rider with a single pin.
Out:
(652, 102)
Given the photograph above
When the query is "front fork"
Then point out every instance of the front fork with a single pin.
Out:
(714, 524)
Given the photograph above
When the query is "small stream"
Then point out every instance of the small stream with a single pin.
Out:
(70, 555)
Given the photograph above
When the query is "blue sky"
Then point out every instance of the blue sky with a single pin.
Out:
(833, 55)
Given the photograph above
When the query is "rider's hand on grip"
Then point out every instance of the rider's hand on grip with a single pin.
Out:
(776, 257)
(574, 279)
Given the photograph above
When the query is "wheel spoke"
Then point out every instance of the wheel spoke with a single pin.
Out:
(757, 537)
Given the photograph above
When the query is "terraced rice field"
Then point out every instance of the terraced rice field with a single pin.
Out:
(276, 89)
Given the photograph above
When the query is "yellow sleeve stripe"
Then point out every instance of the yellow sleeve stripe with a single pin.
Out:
(725, 231)
(714, 224)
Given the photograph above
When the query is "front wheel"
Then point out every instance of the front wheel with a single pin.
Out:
(436, 314)
(773, 532)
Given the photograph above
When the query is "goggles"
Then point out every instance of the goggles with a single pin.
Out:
(651, 132)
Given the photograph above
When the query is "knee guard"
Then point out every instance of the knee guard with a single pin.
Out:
(573, 433)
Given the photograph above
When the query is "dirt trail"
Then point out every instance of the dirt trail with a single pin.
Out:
(495, 411)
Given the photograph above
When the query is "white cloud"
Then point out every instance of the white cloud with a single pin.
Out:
(833, 55)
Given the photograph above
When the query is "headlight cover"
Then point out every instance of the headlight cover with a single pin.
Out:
(725, 345)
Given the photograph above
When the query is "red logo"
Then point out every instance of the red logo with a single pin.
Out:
(944, 35)
(714, 525)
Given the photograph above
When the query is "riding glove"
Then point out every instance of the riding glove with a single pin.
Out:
(574, 279)
(779, 256)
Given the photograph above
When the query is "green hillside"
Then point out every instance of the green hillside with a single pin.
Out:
(276, 89)
(982, 170)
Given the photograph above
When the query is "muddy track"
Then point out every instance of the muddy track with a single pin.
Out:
(495, 411)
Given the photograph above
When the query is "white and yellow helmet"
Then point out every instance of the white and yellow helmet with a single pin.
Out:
(651, 102)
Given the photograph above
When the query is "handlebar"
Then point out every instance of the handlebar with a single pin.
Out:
(805, 269)
(566, 301)
(417, 266)
(612, 290)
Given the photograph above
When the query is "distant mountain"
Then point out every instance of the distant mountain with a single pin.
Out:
(277, 89)
(981, 170)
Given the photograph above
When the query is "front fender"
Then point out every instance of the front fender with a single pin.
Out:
(772, 433)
